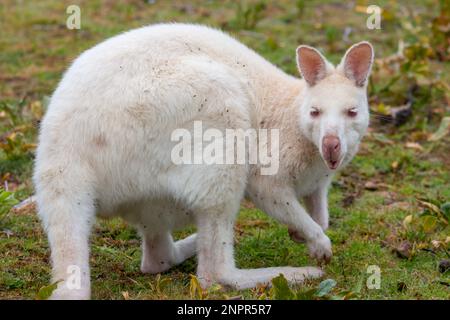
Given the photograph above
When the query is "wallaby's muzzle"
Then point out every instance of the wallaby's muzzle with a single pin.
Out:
(331, 151)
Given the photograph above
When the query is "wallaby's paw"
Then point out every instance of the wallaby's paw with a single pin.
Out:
(63, 293)
(320, 249)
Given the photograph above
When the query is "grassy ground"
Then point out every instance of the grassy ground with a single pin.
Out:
(385, 207)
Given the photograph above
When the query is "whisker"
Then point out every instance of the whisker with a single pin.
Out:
(382, 117)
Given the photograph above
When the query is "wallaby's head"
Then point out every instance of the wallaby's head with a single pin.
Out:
(334, 113)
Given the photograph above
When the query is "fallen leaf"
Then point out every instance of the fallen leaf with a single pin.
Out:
(428, 205)
(370, 185)
(394, 165)
(26, 206)
(37, 109)
(280, 289)
(407, 221)
(436, 244)
(414, 145)
(325, 287)
(442, 131)
(404, 250)
(361, 9)
(46, 291)
(196, 289)
(428, 223)
(444, 265)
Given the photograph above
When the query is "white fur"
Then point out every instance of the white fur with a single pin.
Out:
(105, 150)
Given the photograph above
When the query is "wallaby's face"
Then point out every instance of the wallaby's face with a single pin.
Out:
(334, 113)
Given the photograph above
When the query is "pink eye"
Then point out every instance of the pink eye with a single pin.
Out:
(352, 112)
(314, 112)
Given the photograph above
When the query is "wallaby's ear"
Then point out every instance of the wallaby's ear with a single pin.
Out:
(357, 62)
(311, 64)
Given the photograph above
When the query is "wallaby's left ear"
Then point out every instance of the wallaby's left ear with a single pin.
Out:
(357, 63)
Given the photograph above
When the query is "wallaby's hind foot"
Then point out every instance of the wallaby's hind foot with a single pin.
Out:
(216, 261)
(240, 279)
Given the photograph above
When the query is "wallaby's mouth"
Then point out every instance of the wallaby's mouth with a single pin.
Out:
(331, 151)
(332, 164)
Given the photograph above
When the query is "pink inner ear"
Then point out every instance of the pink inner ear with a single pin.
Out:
(311, 65)
(357, 63)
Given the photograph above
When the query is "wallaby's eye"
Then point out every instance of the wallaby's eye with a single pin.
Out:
(315, 112)
(352, 112)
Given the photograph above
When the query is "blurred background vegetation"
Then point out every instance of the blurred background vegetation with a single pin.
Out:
(389, 207)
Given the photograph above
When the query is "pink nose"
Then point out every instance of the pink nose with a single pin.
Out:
(331, 150)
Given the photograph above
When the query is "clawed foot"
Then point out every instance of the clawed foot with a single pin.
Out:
(319, 248)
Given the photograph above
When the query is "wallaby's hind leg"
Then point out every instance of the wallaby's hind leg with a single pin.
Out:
(215, 254)
(160, 252)
(66, 208)
(216, 261)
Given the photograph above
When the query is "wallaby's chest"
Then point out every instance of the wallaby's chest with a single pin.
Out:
(307, 181)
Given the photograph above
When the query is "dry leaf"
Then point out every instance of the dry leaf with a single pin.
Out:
(414, 145)
(394, 165)
(407, 221)
(370, 185)
(442, 131)
(404, 250)
(436, 244)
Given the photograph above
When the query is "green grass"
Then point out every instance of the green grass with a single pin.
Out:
(369, 200)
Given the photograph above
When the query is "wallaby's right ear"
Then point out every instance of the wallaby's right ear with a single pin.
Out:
(311, 64)
(357, 63)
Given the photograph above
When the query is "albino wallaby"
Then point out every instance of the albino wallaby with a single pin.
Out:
(105, 149)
